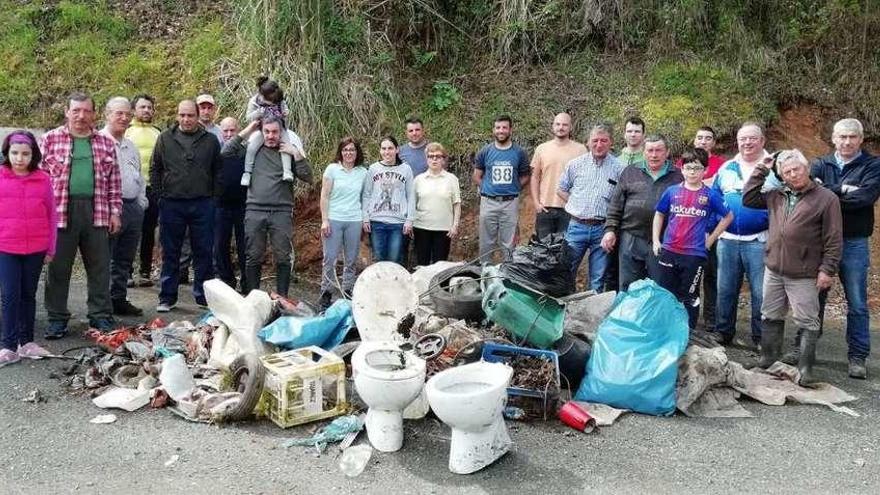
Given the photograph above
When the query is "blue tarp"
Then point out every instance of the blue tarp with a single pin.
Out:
(325, 331)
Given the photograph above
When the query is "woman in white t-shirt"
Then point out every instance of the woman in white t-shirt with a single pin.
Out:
(438, 208)
(341, 216)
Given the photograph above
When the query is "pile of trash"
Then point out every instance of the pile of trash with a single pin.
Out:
(474, 344)
(209, 371)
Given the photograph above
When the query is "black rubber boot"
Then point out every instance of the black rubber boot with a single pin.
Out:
(252, 278)
(282, 279)
(808, 356)
(793, 355)
(772, 335)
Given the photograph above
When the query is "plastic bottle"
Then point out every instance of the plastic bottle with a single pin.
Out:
(355, 459)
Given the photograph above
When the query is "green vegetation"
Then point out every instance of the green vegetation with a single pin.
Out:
(52, 48)
(361, 67)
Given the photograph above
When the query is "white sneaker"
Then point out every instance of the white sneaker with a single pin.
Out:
(165, 307)
(246, 179)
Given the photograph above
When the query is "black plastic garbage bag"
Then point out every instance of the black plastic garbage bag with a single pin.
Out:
(543, 265)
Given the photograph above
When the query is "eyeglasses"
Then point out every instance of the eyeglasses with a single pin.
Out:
(436, 157)
(693, 168)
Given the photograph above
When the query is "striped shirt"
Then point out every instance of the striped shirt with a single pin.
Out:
(589, 184)
(57, 149)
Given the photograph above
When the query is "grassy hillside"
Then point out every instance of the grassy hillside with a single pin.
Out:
(362, 66)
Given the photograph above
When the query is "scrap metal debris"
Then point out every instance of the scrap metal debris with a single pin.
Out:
(532, 372)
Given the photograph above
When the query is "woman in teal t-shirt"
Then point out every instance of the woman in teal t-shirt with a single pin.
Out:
(341, 216)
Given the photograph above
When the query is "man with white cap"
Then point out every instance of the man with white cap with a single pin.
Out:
(207, 111)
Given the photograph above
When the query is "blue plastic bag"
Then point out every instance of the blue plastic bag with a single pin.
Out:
(325, 331)
(634, 362)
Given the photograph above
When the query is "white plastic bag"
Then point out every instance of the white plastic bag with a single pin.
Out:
(243, 316)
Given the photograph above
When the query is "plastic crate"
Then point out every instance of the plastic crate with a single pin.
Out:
(537, 402)
(303, 385)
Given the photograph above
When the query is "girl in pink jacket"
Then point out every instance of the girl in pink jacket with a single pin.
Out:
(28, 222)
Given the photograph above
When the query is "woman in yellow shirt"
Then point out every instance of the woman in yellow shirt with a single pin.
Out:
(438, 208)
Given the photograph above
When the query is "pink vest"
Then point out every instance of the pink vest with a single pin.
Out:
(25, 212)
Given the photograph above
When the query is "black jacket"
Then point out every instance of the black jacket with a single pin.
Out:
(180, 170)
(234, 194)
(857, 206)
(635, 198)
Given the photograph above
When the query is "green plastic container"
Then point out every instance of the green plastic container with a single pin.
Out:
(526, 315)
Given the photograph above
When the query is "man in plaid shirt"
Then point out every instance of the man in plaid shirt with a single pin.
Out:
(88, 195)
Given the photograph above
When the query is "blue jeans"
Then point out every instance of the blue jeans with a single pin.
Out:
(854, 263)
(176, 216)
(19, 276)
(229, 220)
(584, 240)
(387, 241)
(735, 260)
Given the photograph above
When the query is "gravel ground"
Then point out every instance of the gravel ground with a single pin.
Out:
(51, 447)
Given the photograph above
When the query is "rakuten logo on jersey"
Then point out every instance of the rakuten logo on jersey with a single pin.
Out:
(689, 211)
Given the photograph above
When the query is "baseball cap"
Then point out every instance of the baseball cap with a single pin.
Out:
(205, 98)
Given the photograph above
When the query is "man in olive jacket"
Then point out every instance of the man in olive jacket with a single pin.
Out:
(802, 255)
(185, 173)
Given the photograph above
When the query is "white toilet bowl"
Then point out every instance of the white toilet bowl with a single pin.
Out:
(387, 379)
(470, 399)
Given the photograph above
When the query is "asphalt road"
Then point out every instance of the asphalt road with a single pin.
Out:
(51, 447)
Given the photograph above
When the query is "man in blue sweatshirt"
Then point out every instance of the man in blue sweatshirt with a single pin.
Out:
(854, 176)
(741, 247)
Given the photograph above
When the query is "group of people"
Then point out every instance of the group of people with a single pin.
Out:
(103, 192)
(784, 225)
(701, 220)
(407, 194)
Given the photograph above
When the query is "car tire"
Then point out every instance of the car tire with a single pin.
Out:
(462, 307)
(248, 374)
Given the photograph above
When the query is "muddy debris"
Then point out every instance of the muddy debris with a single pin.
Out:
(532, 372)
